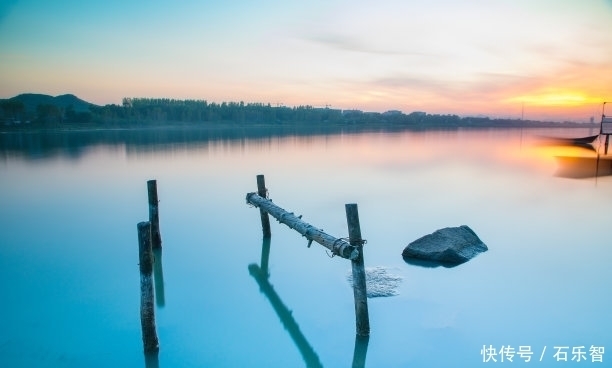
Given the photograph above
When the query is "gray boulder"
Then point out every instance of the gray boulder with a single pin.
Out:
(451, 245)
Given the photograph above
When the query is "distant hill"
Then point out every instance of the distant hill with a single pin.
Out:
(32, 100)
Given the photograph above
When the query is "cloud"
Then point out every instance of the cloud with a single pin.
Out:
(481, 86)
(355, 44)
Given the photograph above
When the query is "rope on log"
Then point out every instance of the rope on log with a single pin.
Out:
(337, 246)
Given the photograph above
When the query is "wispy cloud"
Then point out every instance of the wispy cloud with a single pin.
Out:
(355, 44)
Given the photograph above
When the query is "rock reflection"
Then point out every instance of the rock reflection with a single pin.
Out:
(428, 264)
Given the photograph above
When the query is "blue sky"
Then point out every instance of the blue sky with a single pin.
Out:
(468, 57)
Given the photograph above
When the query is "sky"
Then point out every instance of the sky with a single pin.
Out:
(537, 59)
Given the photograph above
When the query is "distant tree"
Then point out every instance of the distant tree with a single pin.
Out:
(48, 114)
(13, 109)
(70, 116)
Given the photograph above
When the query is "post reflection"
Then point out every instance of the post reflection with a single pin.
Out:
(151, 360)
(262, 275)
(158, 275)
(361, 349)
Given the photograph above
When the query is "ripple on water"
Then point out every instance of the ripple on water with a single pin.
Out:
(379, 282)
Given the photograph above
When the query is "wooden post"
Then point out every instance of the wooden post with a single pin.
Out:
(359, 282)
(147, 309)
(154, 214)
(265, 255)
(265, 220)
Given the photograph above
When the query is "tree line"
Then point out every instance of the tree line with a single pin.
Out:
(199, 111)
(143, 111)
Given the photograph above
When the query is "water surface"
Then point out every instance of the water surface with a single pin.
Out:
(69, 251)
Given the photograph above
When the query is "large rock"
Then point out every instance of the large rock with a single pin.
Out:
(451, 245)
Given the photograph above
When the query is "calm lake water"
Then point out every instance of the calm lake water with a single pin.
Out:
(70, 202)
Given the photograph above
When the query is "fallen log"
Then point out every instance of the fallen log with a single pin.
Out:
(337, 246)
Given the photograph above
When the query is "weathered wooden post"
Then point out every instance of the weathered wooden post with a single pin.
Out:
(154, 214)
(265, 255)
(359, 282)
(265, 219)
(147, 309)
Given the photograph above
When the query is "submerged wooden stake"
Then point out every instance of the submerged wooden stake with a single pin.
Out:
(362, 318)
(265, 219)
(154, 214)
(147, 308)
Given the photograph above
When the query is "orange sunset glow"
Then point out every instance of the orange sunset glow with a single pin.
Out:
(557, 98)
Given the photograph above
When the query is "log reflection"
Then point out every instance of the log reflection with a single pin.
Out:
(308, 354)
(261, 275)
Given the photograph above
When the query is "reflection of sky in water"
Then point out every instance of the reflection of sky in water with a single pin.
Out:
(68, 251)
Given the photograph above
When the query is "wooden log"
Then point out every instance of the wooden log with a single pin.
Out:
(337, 246)
(154, 214)
(147, 309)
(265, 219)
(359, 282)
